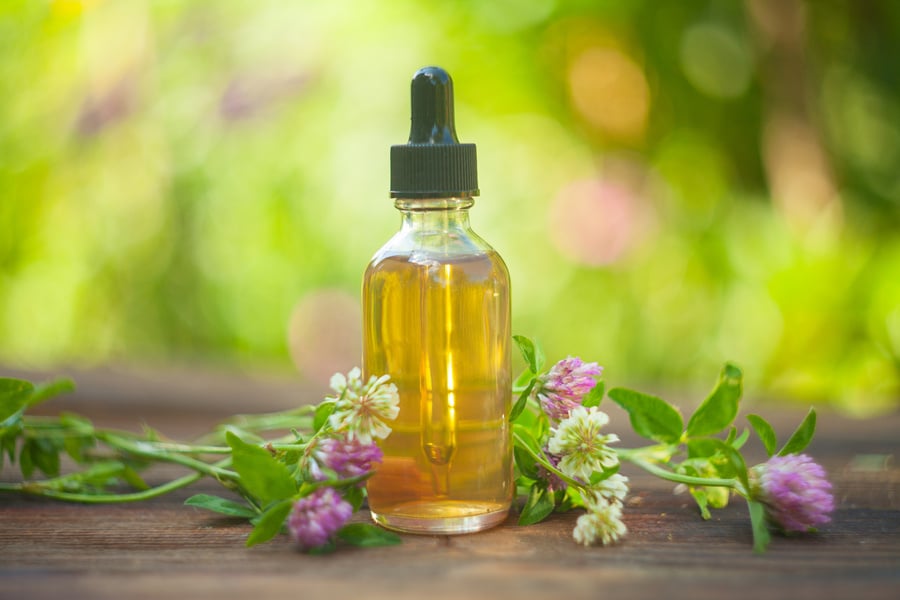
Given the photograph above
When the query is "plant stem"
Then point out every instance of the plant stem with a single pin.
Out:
(35, 489)
(188, 448)
(147, 450)
(539, 456)
(633, 457)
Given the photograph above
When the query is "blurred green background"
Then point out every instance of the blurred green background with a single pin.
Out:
(672, 184)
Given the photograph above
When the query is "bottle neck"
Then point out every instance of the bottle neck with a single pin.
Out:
(435, 214)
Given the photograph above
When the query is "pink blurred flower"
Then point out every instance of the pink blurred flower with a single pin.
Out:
(347, 457)
(317, 517)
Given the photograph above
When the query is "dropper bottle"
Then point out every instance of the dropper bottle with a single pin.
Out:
(436, 318)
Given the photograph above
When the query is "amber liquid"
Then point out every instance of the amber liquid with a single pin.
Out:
(441, 329)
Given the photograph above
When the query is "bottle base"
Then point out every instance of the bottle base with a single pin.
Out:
(443, 517)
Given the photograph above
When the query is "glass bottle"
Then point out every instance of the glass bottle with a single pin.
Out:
(436, 318)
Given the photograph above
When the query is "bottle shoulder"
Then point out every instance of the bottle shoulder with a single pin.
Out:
(472, 269)
(440, 246)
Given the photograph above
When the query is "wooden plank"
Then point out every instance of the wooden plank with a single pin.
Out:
(162, 548)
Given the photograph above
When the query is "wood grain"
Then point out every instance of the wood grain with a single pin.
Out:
(164, 549)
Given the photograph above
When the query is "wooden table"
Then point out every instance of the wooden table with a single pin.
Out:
(161, 548)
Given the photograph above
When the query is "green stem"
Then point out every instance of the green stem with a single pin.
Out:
(36, 489)
(539, 456)
(311, 486)
(188, 448)
(634, 458)
(276, 420)
(147, 450)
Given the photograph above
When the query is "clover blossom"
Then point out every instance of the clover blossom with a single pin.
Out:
(315, 518)
(361, 409)
(582, 447)
(562, 388)
(602, 523)
(794, 490)
(613, 489)
(345, 456)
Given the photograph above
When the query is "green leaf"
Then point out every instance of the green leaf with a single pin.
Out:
(522, 436)
(540, 503)
(323, 411)
(761, 536)
(727, 461)
(533, 421)
(102, 473)
(134, 479)
(598, 476)
(563, 501)
(262, 476)
(802, 436)
(595, 396)
(45, 455)
(244, 434)
(738, 442)
(8, 437)
(531, 352)
(521, 402)
(26, 463)
(367, 535)
(14, 394)
(720, 408)
(326, 548)
(526, 463)
(222, 506)
(73, 421)
(355, 496)
(50, 389)
(523, 379)
(765, 432)
(76, 447)
(702, 500)
(270, 523)
(651, 417)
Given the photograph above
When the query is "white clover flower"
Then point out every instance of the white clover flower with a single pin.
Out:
(613, 489)
(582, 447)
(602, 523)
(361, 409)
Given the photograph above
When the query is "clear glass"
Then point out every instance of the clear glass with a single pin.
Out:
(437, 319)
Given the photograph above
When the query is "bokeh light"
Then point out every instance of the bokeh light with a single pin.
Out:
(715, 60)
(593, 222)
(672, 185)
(325, 334)
(609, 90)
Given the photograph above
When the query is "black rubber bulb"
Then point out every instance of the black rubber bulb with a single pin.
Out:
(432, 108)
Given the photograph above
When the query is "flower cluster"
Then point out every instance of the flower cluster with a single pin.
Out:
(361, 412)
(579, 450)
(795, 492)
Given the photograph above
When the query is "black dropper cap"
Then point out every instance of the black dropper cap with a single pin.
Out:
(433, 164)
